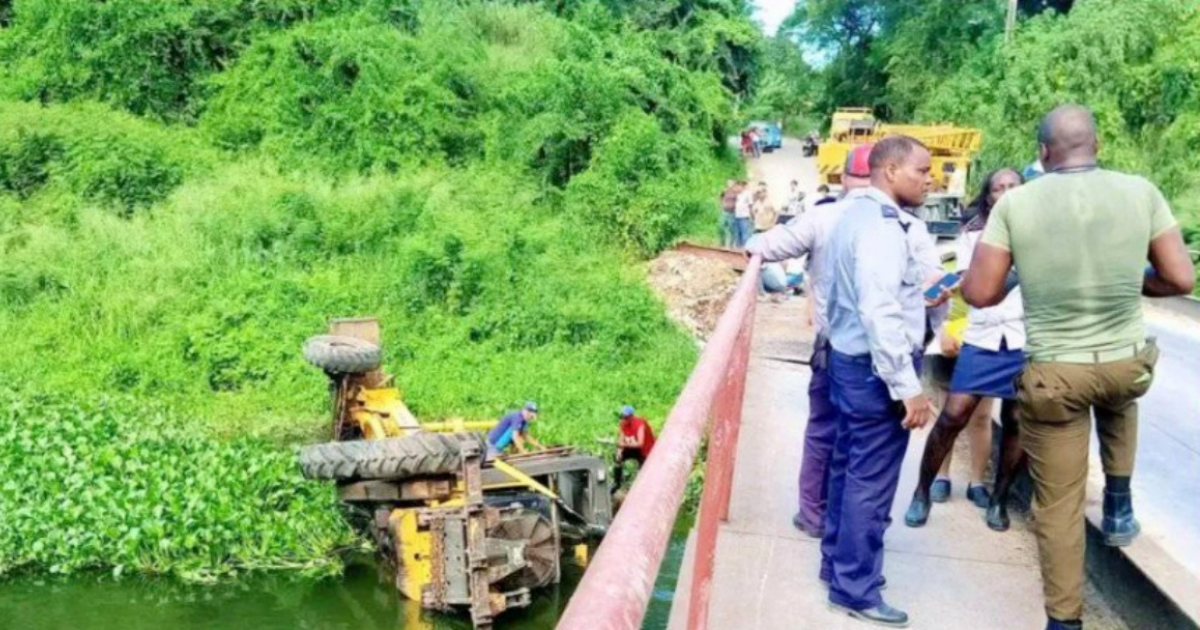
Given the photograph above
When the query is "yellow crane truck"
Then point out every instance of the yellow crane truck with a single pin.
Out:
(456, 530)
(953, 151)
(852, 126)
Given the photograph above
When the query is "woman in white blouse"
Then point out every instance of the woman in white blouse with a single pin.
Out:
(988, 363)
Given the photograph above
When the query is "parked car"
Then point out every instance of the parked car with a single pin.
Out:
(771, 133)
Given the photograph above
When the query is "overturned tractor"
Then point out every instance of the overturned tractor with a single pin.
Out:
(456, 531)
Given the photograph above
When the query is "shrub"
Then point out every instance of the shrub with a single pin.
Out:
(353, 91)
(150, 57)
(111, 158)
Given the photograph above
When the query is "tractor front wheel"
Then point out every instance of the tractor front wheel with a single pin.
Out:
(337, 354)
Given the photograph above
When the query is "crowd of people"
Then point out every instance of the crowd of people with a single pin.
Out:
(751, 142)
(748, 209)
(1059, 343)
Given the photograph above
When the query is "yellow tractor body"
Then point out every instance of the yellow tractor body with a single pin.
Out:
(457, 530)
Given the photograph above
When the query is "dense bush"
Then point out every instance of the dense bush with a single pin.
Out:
(349, 90)
(190, 189)
(485, 298)
(107, 157)
(644, 185)
(124, 488)
(151, 57)
(1133, 63)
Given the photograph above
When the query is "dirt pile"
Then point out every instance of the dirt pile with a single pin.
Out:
(696, 289)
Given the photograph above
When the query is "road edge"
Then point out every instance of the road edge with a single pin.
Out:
(1146, 586)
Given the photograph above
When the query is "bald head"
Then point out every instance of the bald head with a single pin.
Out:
(1067, 137)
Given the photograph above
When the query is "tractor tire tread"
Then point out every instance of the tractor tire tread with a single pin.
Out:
(391, 458)
(338, 354)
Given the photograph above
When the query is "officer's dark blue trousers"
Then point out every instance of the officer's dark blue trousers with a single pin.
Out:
(819, 437)
(864, 471)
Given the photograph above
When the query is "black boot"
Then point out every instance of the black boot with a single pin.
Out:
(1073, 624)
(1119, 525)
(997, 513)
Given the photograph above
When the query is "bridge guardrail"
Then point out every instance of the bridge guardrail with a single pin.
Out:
(616, 588)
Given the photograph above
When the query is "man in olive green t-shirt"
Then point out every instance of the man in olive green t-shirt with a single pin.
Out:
(1080, 237)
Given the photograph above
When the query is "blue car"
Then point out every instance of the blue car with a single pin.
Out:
(771, 134)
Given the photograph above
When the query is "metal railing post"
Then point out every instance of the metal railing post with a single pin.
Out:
(616, 588)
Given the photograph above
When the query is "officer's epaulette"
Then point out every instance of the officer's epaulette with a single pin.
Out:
(890, 213)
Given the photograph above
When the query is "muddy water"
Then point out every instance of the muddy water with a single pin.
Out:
(360, 600)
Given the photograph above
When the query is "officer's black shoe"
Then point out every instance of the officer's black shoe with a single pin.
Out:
(997, 514)
(1119, 526)
(881, 615)
(918, 511)
(1055, 624)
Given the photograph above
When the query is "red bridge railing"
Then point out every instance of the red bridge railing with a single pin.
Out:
(616, 588)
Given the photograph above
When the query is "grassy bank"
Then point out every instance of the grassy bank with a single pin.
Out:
(189, 190)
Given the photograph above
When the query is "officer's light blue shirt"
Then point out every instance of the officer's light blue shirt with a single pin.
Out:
(874, 283)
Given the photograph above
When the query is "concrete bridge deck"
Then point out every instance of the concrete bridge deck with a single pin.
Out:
(953, 573)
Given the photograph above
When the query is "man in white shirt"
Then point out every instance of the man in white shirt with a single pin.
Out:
(990, 359)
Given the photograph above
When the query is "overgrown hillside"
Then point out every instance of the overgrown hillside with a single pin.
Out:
(1133, 63)
(189, 189)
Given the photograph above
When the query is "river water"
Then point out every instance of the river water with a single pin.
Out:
(360, 600)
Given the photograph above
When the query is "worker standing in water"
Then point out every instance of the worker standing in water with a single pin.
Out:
(513, 428)
(635, 438)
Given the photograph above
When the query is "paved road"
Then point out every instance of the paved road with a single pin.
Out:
(1167, 478)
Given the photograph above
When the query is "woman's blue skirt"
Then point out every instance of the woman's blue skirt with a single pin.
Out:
(987, 373)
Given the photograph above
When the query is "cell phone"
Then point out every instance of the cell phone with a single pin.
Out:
(946, 282)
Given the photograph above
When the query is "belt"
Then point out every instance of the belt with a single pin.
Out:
(1103, 356)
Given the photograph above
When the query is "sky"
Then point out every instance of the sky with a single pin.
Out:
(771, 13)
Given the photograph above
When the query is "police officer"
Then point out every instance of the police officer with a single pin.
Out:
(876, 315)
(807, 236)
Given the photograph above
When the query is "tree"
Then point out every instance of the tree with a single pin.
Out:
(786, 85)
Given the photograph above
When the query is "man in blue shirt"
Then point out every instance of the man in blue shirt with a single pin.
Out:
(807, 236)
(513, 428)
(876, 316)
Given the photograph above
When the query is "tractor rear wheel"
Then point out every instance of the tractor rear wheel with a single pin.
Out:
(391, 458)
(541, 551)
(337, 354)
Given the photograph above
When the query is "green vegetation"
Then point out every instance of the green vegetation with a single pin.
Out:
(786, 87)
(190, 189)
(94, 485)
(1133, 63)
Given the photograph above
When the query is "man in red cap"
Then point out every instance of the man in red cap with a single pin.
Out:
(857, 171)
(807, 235)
